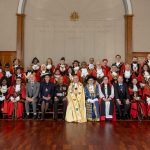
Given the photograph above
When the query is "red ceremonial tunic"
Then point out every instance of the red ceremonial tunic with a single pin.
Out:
(23, 77)
(79, 74)
(92, 72)
(106, 68)
(19, 104)
(4, 105)
(134, 105)
(1, 75)
(62, 70)
(146, 94)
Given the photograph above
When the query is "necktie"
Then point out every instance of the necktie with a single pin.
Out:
(121, 87)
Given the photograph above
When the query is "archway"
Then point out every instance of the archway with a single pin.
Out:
(128, 13)
(127, 6)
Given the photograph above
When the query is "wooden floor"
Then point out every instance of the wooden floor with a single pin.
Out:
(49, 135)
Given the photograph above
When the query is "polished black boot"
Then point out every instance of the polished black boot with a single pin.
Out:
(27, 117)
(34, 117)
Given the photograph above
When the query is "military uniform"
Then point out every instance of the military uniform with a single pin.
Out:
(60, 98)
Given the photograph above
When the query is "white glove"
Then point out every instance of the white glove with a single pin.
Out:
(2, 98)
(88, 100)
(148, 100)
(92, 101)
(17, 98)
(95, 99)
(12, 99)
(142, 85)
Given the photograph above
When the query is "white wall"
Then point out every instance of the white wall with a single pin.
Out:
(49, 32)
(8, 9)
(141, 25)
(98, 33)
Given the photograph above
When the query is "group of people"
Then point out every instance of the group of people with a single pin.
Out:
(92, 91)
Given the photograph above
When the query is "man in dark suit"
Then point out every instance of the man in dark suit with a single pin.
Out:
(122, 98)
(32, 92)
(135, 66)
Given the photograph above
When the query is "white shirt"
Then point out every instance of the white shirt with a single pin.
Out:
(84, 72)
(62, 68)
(100, 72)
(149, 63)
(91, 66)
(17, 88)
(102, 95)
(135, 66)
(28, 74)
(35, 67)
(117, 63)
(8, 74)
(127, 74)
(76, 68)
(135, 89)
(49, 66)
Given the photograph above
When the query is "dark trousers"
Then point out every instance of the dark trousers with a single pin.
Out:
(123, 109)
(56, 104)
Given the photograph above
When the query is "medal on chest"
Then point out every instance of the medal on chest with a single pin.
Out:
(46, 90)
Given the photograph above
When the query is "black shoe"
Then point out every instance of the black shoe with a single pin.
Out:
(42, 117)
(55, 118)
(34, 117)
(27, 117)
(127, 116)
(119, 117)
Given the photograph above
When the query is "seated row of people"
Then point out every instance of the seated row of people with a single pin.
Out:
(92, 101)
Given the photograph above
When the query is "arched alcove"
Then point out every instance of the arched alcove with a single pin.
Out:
(98, 33)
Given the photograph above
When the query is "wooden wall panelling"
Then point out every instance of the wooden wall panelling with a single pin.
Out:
(141, 56)
(128, 37)
(7, 57)
(20, 37)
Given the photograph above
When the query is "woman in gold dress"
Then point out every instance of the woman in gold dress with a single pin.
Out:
(76, 111)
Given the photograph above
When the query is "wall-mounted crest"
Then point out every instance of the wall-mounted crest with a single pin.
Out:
(74, 16)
